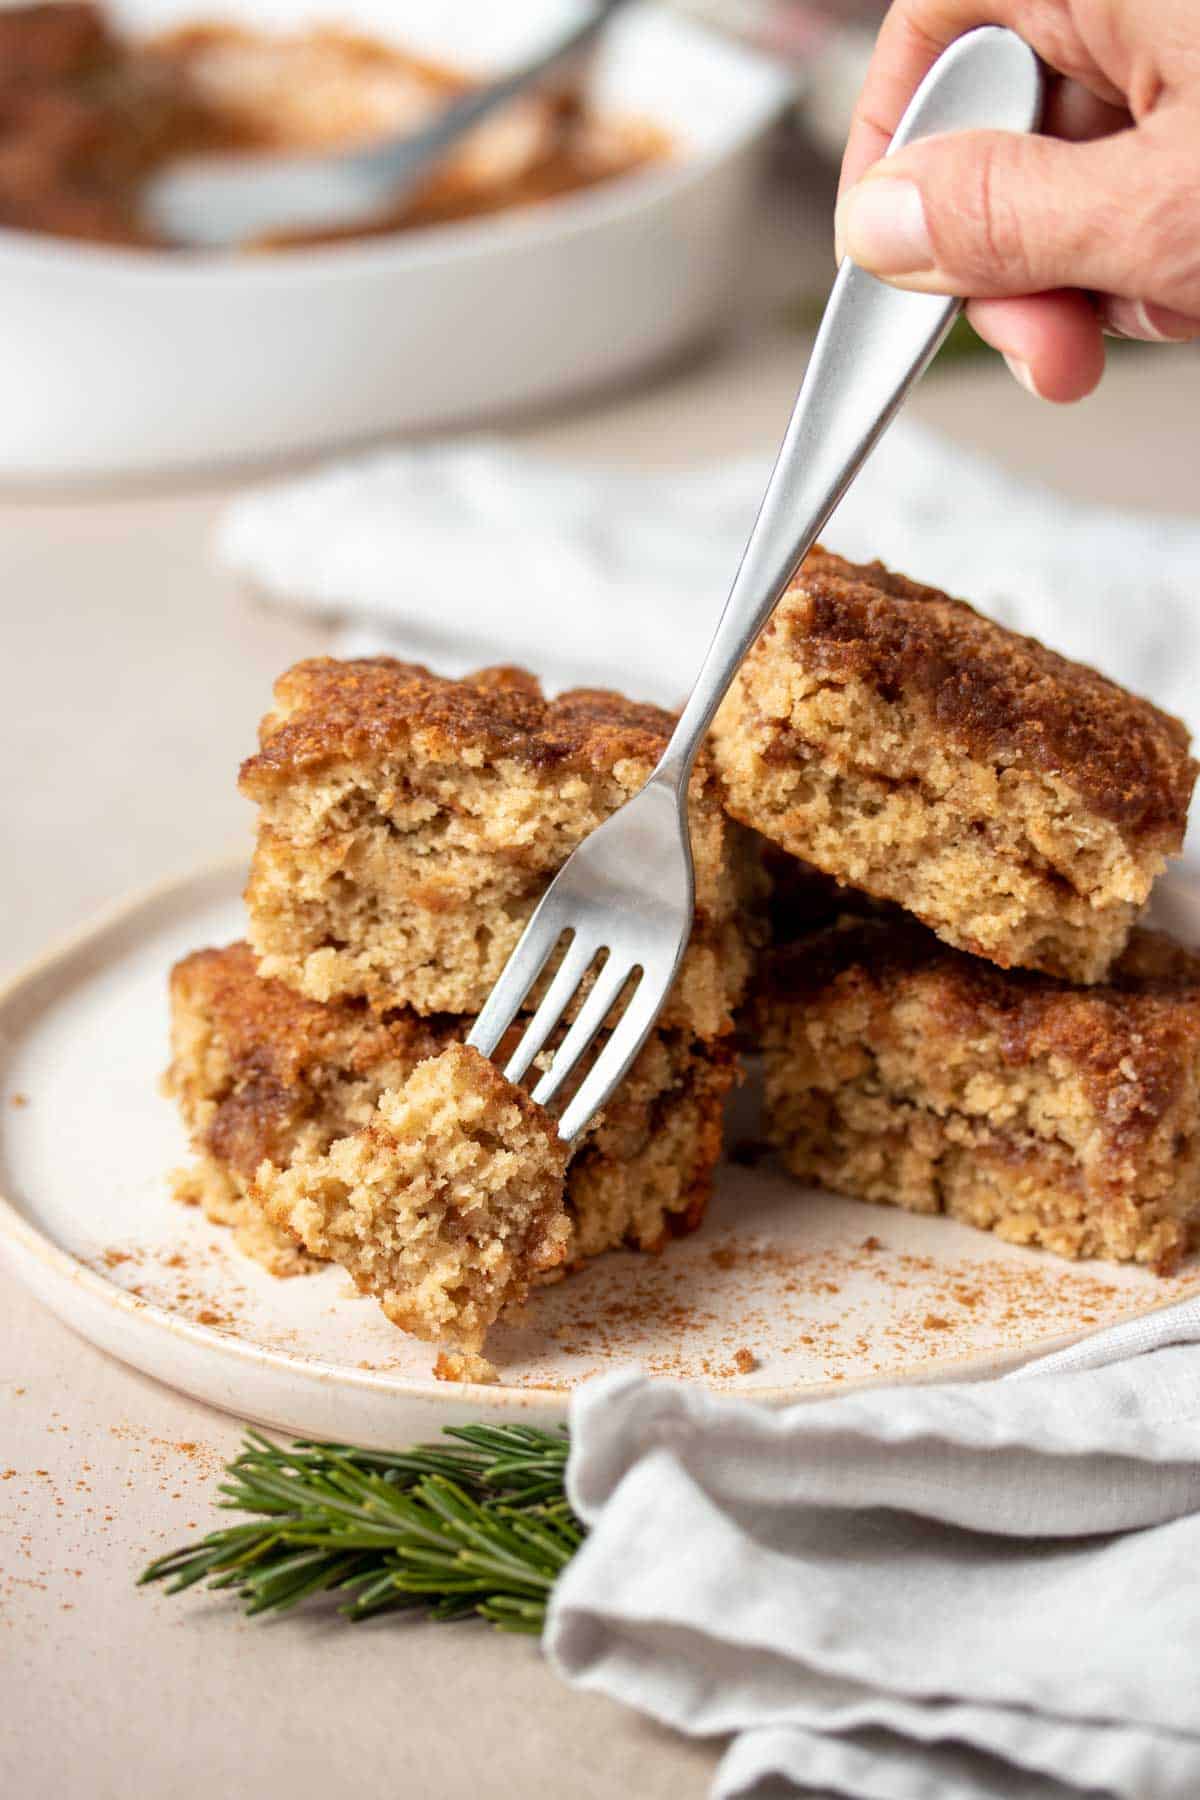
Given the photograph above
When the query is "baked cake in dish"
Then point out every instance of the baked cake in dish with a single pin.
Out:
(900, 1070)
(408, 825)
(1019, 804)
(264, 1075)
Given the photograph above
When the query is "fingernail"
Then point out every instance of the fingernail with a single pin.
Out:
(1161, 325)
(881, 226)
(1145, 323)
(1022, 373)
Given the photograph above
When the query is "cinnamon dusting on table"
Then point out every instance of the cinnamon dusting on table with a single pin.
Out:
(53, 1511)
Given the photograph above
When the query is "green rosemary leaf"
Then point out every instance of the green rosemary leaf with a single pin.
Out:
(478, 1525)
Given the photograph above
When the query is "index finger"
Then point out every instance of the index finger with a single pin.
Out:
(910, 40)
(913, 36)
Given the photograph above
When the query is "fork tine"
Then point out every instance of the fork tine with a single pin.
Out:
(592, 1014)
(534, 949)
(580, 953)
(629, 1034)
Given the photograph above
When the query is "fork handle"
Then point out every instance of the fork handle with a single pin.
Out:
(874, 342)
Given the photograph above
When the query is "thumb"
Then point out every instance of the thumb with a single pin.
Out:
(993, 213)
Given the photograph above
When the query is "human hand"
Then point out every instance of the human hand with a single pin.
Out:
(1055, 239)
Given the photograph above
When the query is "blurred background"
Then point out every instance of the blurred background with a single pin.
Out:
(213, 463)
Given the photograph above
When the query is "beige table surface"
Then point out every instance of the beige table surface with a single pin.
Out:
(130, 681)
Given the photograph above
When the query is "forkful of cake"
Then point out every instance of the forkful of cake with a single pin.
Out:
(619, 913)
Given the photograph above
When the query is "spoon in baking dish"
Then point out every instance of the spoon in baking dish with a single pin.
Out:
(625, 898)
(220, 201)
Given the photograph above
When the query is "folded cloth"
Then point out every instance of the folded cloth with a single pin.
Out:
(968, 1591)
(465, 552)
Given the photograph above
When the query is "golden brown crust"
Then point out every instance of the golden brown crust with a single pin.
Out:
(270, 1029)
(1132, 1040)
(1007, 699)
(329, 711)
(275, 1039)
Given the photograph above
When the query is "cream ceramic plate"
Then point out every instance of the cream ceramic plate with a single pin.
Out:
(814, 1292)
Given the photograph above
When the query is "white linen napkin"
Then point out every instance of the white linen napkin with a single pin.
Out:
(470, 551)
(973, 1592)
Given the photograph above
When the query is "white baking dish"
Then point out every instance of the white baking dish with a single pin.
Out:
(121, 362)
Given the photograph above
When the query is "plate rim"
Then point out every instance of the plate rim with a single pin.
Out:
(22, 1242)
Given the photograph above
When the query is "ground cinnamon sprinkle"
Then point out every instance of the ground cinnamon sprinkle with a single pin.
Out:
(837, 1312)
(816, 1307)
(67, 1524)
(200, 1282)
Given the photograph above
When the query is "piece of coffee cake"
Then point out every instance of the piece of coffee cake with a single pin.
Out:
(444, 1207)
(408, 825)
(262, 1074)
(899, 1070)
(1020, 804)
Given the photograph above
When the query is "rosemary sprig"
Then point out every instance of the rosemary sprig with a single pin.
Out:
(480, 1525)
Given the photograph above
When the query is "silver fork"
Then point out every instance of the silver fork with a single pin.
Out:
(627, 892)
(210, 202)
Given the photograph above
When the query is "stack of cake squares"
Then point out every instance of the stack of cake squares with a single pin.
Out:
(922, 845)
(977, 1028)
(407, 827)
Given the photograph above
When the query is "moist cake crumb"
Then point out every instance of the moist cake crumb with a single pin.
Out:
(464, 1365)
(262, 1073)
(210, 1185)
(899, 1070)
(445, 1207)
(1020, 804)
(259, 1073)
(408, 825)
